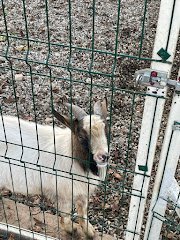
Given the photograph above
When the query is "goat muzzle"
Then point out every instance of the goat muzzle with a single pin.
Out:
(101, 159)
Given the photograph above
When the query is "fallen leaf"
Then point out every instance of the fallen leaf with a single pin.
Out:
(55, 89)
(110, 171)
(115, 207)
(28, 118)
(21, 33)
(19, 77)
(9, 99)
(116, 154)
(117, 176)
(3, 85)
(48, 120)
(21, 48)
(106, 206)
(2, 38)
(2, 59)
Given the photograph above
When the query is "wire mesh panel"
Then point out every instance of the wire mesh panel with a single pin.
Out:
(78, 52)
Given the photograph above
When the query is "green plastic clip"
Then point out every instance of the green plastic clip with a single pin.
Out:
(143, 168)
(163, 54)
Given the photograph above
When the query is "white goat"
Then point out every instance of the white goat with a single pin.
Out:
(29, 165)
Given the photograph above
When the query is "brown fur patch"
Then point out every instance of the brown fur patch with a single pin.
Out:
(81, 149)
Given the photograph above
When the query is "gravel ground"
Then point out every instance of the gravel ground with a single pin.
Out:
(111, 210)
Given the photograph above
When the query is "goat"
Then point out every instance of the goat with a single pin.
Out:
(60, 163)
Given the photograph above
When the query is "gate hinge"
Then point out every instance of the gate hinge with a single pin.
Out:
(155, 78)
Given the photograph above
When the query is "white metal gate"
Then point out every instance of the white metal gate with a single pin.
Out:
(166, 186)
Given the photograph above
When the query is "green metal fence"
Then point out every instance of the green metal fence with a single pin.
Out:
(81, 51)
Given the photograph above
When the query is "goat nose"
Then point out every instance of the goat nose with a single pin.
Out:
(105, 158)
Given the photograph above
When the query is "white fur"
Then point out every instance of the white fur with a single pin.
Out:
(27, 178)
(96, 131)
(46, 142)
(29, 165)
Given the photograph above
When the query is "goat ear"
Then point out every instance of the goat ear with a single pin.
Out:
(104, 106)
(100, 108)
(64, 120)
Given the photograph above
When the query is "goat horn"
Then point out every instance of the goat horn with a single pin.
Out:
(78, 112)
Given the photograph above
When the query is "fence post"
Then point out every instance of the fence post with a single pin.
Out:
(165, 43)
(165, 182)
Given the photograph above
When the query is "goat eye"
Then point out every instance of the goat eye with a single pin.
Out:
(84, 142)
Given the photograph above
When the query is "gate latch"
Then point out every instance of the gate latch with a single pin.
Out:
(155, 78)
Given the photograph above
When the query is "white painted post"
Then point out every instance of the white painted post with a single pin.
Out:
(153, 226)
(165, 189)
(141, 183)
(147, 143)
